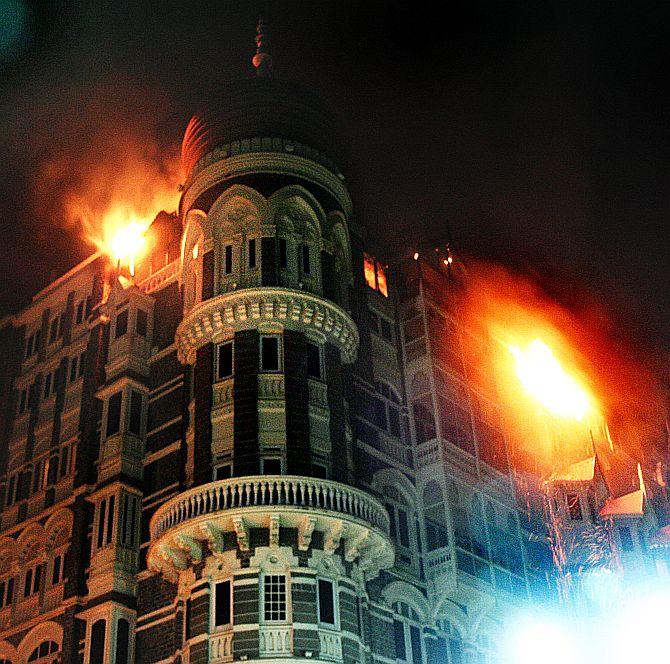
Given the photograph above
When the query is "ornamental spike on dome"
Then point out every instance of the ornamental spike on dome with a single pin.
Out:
(262, 60)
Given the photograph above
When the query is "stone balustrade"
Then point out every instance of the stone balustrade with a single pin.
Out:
(180, 527)
(266, 490)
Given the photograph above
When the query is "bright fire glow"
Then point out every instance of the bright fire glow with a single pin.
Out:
(543, 377)
(123, 237)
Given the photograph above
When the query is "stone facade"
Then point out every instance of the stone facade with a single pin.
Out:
(261, 449)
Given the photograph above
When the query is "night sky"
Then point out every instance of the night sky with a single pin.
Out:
(539, 130)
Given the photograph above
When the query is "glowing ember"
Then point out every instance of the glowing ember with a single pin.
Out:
(542, 375)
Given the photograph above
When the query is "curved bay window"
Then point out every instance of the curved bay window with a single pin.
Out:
(437, 532)
(400, 524)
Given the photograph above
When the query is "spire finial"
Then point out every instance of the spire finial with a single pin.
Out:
(262, 60)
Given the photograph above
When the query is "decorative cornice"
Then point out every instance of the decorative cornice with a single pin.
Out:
(266, 162)
(249, 307)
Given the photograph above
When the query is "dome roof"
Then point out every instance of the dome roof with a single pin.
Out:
(259, 108)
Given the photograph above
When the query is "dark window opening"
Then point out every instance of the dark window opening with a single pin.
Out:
(319, 471)
(228, 260)
(121, 324)
(141, 322)
(224, 472)
(101, 523)
(80, 313)
(283, 253)
(399, 640)
(574, 506)
(114, 414)
(135, 420)
(110, 521)
(122, 641)
(326, 602)
(306, 267)
(252, 253)
(274, 597)
(272, 466)
(97, 654)
(222, 613)
(224, 360)
(270, 349)
(314, 361)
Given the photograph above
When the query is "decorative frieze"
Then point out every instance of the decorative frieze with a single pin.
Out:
(247, 308)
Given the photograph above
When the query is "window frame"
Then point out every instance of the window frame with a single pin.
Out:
(228, 260)
(252, 253)
(217, 360)
(124, 316)
(263, 620)
(223, 626)
(280, 353)
(320, 358)
(334, 604)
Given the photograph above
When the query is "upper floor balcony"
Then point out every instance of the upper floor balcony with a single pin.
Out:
(183, 528)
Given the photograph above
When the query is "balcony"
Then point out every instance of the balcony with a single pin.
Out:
(246, 308)
(182, 527)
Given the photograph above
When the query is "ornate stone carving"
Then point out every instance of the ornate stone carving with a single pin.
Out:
(249, 307)
(242, 533)
(305, 533)
(274, 530)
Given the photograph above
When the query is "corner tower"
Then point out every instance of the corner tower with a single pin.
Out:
(272, 543)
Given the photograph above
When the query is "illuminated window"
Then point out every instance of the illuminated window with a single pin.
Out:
(375, 274)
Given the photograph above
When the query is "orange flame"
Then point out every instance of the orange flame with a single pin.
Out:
(127, 180)
(559, 374)
(123, 236)
(547, 381)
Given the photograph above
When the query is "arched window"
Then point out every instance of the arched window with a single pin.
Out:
(449, 643)
(400, 523)
(45, 649)
(407, 634)
(98, 630)
(122, 641)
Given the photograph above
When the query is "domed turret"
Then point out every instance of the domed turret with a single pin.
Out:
(260, 114)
